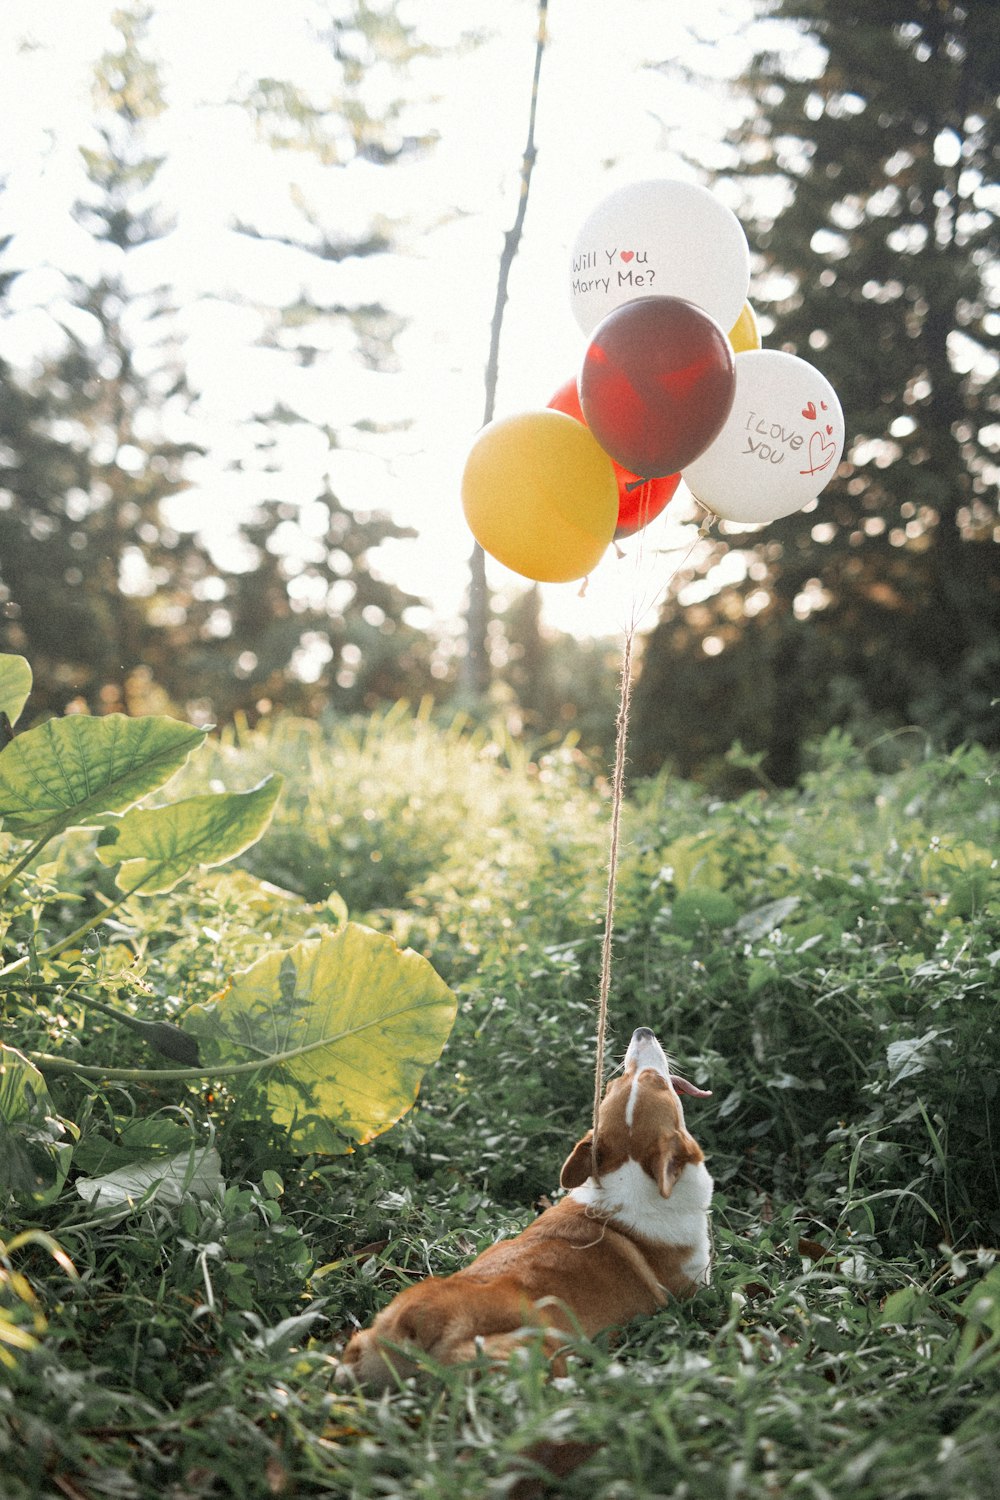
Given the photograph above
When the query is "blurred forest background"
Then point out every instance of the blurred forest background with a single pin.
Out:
(876, 258)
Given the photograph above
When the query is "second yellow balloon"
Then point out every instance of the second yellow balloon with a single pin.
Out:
(744, 333)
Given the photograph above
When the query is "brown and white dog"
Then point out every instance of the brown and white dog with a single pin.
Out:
(616, 1247)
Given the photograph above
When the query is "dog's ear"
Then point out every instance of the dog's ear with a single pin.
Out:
(576, 1167)
(668, 1164)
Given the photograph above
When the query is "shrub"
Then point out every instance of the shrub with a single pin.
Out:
(825, 960)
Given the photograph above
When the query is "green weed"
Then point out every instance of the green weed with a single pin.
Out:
(825, 960)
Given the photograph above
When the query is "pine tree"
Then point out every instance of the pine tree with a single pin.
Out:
(879, 606)
(560, 684)
(312, 627)
(39, 608)
(113, 604)
(99, 587)
(314, 602)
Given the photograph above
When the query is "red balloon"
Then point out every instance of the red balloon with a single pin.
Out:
(657, 384)
(639, 500)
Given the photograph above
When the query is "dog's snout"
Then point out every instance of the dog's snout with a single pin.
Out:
(644, 1051)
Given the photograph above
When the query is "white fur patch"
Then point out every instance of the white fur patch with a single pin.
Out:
(633, 1096)
(629, 1197)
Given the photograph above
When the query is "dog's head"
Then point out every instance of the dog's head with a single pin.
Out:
(640, 1120)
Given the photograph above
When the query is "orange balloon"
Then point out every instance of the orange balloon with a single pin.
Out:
(744, 333)
(540, 495)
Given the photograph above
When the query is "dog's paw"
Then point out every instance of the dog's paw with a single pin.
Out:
(345, 1377)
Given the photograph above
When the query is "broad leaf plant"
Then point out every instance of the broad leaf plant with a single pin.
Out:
(327, 1041)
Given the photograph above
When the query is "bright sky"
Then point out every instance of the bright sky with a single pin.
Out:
(603, 119)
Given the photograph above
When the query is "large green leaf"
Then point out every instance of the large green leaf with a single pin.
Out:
(69, 771)
(980, 1318)
(15, 685)
(168, 1182)
(35, 1144)
(157, 846)
(343, 1028)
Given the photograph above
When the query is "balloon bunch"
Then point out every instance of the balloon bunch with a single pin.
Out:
(659, 270)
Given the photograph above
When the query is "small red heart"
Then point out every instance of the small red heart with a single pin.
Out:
(829, 429)
(809, 412)
(823, 405)
(627, 255)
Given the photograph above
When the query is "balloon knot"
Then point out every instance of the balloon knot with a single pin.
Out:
(583, 588)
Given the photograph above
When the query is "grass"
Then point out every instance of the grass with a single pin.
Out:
(825, 960)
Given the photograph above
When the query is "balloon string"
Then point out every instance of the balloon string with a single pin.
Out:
(617, 798)
(641, 609)
(617, 802)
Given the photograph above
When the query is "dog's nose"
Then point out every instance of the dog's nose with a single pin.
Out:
(644, 1051)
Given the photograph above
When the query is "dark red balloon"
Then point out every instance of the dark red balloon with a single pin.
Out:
(657, 384)
(639, 500)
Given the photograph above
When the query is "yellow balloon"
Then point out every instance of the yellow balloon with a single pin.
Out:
(744, 333)
(540, 495)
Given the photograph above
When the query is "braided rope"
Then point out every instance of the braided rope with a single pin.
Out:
(617, 799)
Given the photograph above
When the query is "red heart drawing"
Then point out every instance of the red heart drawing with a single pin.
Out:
(829, 429)
(823, 405)
(821, 454)
(809, 412)
(627, 255)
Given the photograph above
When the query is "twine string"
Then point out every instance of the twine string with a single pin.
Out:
(617, 799)
(617, 802)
